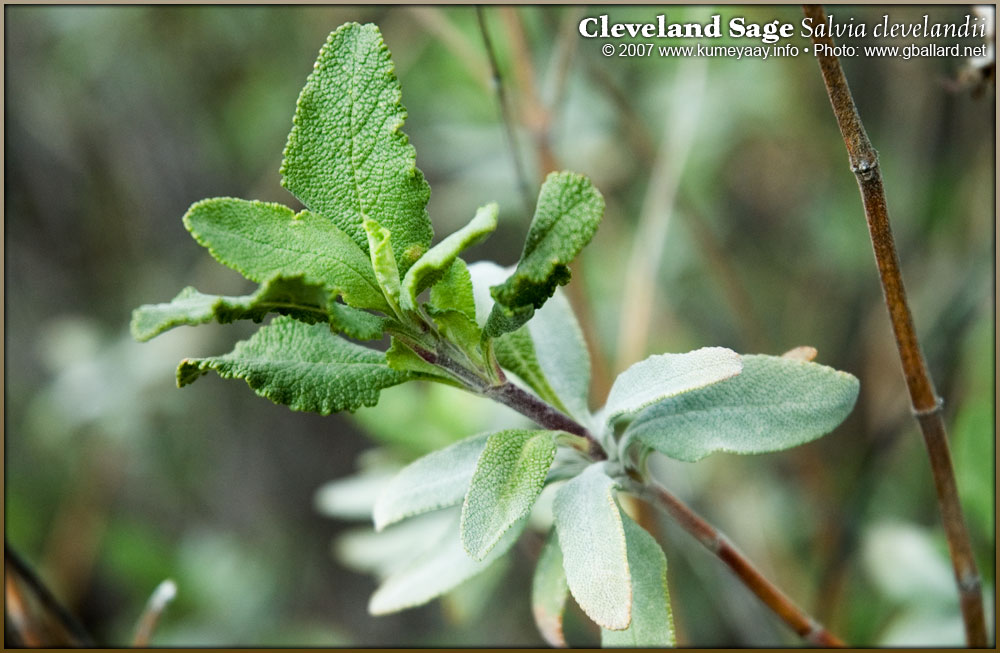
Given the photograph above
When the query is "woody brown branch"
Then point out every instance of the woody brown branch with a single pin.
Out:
(923, 398)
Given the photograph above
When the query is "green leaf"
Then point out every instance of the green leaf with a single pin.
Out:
(454, 291)
(458, 328)
(773, 404)
(592, 540)
(294, 297)
(442, 568)
(435, 262)
(400, 357)
(509, 477)
(383, 262)
(668, 375)
(305, 367)
(355, 323)
(566, 217)
(652, 622)
(346, 157)
(289, 296)
(262, 240)
(549, 591)
(438, 480)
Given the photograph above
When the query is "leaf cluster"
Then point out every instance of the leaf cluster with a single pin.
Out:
(358, 264)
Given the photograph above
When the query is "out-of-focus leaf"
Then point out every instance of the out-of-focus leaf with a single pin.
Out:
(444, 566)
(438, 480)
(549, 591)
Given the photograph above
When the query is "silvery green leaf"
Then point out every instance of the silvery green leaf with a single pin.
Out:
(592, 540)
(652, 622)
(549, 592)
(509, 476)
(773, 404)
(442, 568)
(438, 480)
(454, 291)
(667, 375)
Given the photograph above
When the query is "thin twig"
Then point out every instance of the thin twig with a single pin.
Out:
(923, 398)
(505, 112)
(720, 546)
(48, 600)
(157, 603)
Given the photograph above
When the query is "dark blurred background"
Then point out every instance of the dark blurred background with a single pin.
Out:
(732, 219)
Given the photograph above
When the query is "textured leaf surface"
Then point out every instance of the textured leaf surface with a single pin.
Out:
(295, 297)
(454, 291)
(549, 592)
(773, 404)
(262, 240)
(444, 567)
(458, 328)
(401, 357)
(438, 480)
(355, 323)
(667, 375)
(346, 157)
(566, 217)
(305, 367)
(592, 540)
(509, 477)
(652, 622)
(436, 262)
(383, 262)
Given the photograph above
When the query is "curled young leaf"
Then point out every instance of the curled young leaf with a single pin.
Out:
(775, 403)
(566, 217)
(432, 265)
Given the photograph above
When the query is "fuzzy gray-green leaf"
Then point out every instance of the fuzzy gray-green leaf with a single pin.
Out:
(592, 540)
(346, 156)
(509, 477)
(549, 592)
(439, 258)
(262, 240)
(383, 262)
(305, 367)
(775, 403)
(667, 375)
(567, 215)
(438, 480)
(652, 621)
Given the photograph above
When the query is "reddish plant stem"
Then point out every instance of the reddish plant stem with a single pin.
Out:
(720, 546)
(923, 398)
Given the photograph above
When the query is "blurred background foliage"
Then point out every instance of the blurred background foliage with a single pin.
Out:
(732, 219)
